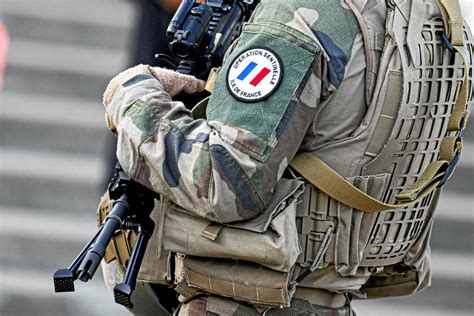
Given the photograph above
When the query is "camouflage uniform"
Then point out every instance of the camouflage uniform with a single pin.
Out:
(225, 167)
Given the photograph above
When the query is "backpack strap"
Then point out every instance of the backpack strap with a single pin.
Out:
(454, 40)
(323, 177)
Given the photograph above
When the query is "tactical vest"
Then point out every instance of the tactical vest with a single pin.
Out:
(358, 217)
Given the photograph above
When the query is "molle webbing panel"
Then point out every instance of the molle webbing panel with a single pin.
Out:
(313, 223)
(431, 86)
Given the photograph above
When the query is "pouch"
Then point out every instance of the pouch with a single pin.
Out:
(239, 280)
(270, 239)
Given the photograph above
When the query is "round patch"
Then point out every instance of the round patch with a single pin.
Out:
(254, 75)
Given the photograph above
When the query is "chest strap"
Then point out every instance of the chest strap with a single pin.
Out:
(330, 182)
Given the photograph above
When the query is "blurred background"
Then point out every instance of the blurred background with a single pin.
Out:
(55, 158)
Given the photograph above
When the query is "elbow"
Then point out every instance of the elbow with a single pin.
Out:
(232, 194)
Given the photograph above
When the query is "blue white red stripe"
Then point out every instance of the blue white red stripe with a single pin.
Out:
(258, 78)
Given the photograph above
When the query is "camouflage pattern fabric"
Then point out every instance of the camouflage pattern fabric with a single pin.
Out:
(225, 168)
(213, 306)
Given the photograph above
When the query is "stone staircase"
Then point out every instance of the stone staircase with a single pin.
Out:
(53, 145)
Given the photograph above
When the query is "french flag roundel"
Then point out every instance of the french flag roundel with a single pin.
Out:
(254, 74)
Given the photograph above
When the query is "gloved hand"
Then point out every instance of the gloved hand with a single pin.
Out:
(172, 82)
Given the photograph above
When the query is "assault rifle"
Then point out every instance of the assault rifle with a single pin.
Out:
(199, 34)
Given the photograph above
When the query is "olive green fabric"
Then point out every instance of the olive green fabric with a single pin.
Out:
(261, 118)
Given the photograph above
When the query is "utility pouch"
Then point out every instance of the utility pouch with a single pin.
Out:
(270, 240)
(396, 281)
(239, 280)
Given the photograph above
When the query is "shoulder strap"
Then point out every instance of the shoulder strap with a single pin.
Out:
(454, 39)
(330, 182)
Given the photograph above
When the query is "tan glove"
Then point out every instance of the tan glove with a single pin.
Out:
(173, 83)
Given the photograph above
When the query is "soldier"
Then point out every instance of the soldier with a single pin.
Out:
(366, 100)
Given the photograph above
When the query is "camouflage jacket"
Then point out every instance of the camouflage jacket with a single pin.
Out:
(225, 168)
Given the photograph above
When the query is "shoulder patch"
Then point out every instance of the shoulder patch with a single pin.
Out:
(254, 74)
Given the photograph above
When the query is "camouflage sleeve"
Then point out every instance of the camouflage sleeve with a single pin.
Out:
(225, 168)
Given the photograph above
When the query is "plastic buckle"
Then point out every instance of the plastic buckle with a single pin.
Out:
(447, 42)
(450, 169)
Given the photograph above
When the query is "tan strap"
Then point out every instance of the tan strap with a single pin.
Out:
(453, 21)
(450, 147)
(212, 231)
(428, 181)
(330, 182)
(459, 115)
(211, 80)
(454, 28)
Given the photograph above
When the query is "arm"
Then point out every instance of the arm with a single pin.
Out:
(223, 168)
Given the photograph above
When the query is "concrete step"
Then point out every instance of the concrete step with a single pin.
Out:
(43, 239)
(65, 84)
(26, 292)
(59, 124)
(38, 122)
(455, 207)
(451, 265)
(113, 13)
(48, 109)
(58, 31)
(461, 180)
(70, 57)
(55, 137)
(53, 181)
(66, 70)
(450, 235)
